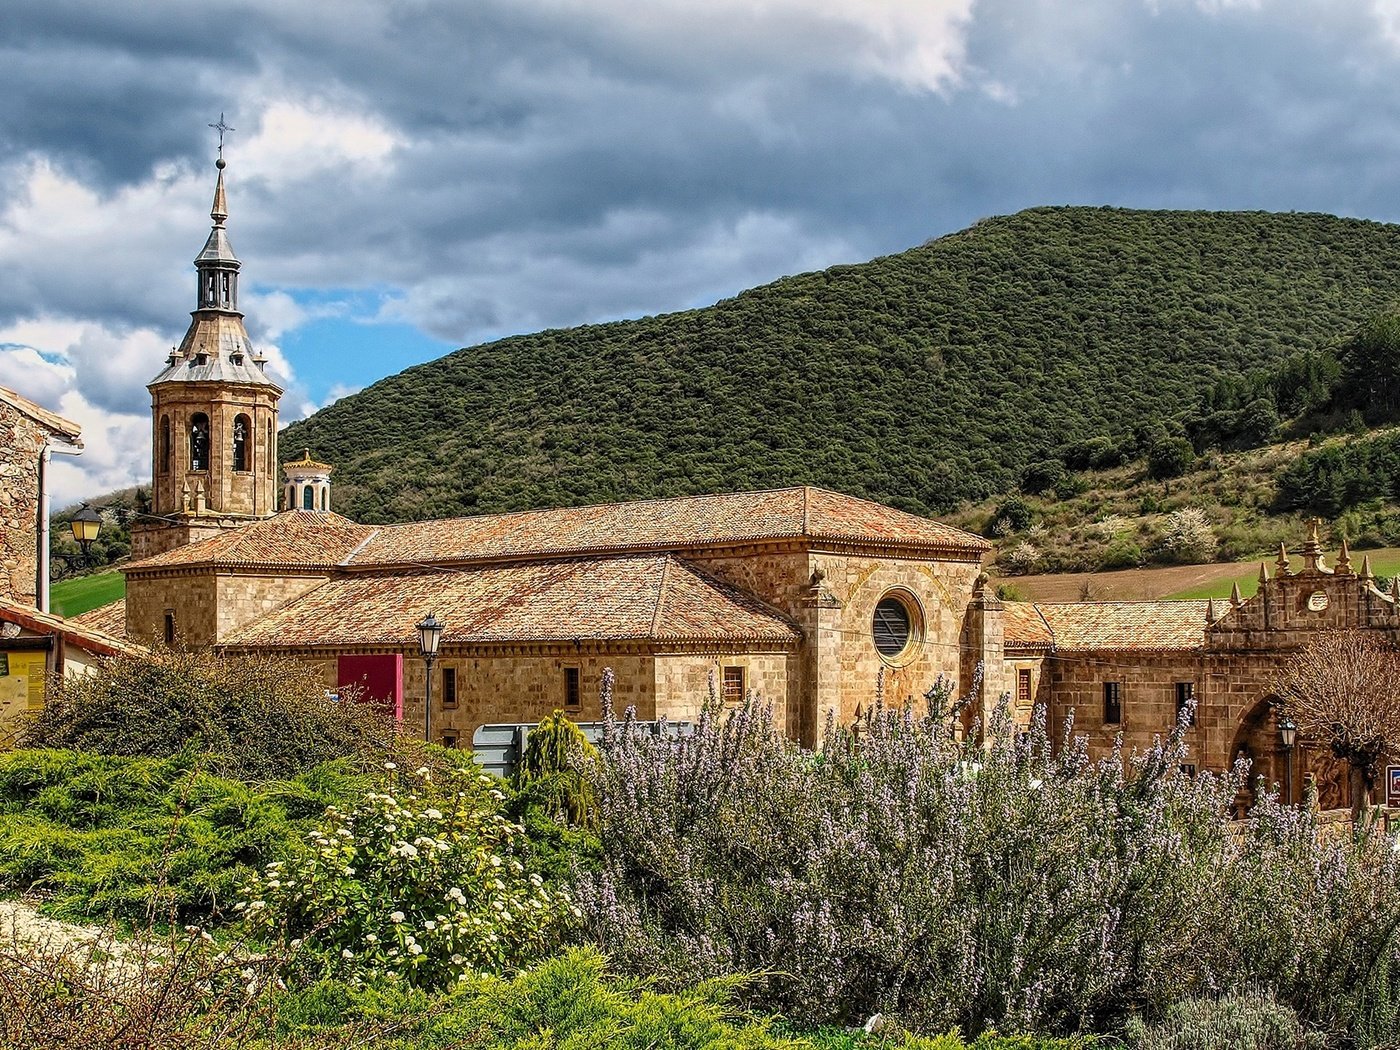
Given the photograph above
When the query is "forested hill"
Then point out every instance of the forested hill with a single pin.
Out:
(921, 379)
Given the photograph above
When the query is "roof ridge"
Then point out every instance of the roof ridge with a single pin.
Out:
(1046, 622)
(374, 531)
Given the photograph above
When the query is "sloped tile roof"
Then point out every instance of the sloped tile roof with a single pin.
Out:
(324, 539)
(666, 524)
(315, 539)
(110, 619)
(1067, 627)
(652, 597)
(51, 421)
(80, 635)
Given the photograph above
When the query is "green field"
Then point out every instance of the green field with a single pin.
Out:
(1383, 563)
(80, 594)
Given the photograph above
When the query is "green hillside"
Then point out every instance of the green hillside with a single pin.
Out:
(923, 379)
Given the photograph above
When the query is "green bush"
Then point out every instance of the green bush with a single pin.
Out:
(253, 717)
(418, 882)
(1239, 1022)
(1170, 457)
(134, 838)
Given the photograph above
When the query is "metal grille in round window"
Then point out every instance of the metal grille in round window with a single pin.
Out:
(892, 626)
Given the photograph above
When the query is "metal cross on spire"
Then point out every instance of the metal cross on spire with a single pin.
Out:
(222, 128)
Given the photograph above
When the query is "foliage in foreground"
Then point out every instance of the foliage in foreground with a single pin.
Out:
(254, 717)
(1238, 1022)
(907, 871)
(417, 882)
(189, 995)
(133, 838)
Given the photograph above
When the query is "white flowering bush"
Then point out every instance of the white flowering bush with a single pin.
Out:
(415, 883)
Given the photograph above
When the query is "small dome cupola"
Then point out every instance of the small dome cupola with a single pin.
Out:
(307, 485)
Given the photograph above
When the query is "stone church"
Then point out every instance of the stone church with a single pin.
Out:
(813, 600)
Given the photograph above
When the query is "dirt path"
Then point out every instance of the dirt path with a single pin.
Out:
(24, 931)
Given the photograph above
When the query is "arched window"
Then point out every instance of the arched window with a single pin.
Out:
(165, 443)
(242, 432)
(267, 449)
(308, 498)
(325, 499)
(199, 441)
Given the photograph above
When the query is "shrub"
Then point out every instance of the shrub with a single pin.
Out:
(135, 838)
(1042, 476)
(903, 869)
(1170, 457)
(1239, 1022)
(1015, 512)
(414, 882)
(1189, 536)
(253, 717)
(550, 771)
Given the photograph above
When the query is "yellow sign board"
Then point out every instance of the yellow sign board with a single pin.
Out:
(21, 683)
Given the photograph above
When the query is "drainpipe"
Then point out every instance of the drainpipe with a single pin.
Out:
(41, 588)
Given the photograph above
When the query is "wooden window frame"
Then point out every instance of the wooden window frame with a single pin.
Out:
(1025, 686)
(449, 688)
(573, 687)
(740, 676)
(1186, 692)
(1113, 703)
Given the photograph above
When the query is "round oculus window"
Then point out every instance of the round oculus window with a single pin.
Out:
(893, 627)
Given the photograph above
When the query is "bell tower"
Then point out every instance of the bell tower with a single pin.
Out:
(213, 411)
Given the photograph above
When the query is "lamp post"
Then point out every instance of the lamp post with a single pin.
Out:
(86, 524)
(429, 637)
(1288, 733)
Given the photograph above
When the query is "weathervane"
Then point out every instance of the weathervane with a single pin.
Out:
(222, 128)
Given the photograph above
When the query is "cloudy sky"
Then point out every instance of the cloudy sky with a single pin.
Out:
(410, 176)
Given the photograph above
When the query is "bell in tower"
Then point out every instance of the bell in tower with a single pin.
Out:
(213, 411)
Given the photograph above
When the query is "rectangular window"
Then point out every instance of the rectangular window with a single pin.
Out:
(1185, 693)
(449, 738)
(1188, 769)
(169, 629)
(449, 687)
(733, 692)
(573, 691)
(1023, 688)
(1112, 703)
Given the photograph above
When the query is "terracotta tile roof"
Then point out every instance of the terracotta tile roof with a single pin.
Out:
(652, 597)
(324, 539)
(667, 524)
(53, 422)
(313, 539)
(109, 619)
(80, 635)
(1151, 626)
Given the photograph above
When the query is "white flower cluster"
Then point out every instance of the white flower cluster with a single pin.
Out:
(425, 886)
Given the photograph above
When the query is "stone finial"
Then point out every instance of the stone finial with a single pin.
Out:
(1282, 562)
(1263, 573)
(1395, 589)
(1312, 548)
(1366, 573)
(1235, 598)
(1344, 559)
(185, 496)
(1210, 612)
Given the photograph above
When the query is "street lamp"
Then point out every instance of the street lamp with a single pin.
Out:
(86, 524)
(1288, 733)
(429, 638)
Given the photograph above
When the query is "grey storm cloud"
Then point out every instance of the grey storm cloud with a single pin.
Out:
(548, 162)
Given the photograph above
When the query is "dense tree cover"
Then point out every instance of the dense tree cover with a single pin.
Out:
(921, 379)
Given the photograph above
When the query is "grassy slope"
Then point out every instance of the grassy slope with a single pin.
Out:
(922, 379)
(80, 594)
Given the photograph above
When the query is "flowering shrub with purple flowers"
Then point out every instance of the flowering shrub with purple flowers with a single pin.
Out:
(906, 868)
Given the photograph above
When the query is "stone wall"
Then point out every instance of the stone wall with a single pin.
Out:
(21, 446)
(191, 598)
(683, 681)
(252, 492)
(243, 599)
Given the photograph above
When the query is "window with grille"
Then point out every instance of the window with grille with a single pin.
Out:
(892, 627)
(449, 687)
(1023, 688)
(199, 441)
(573, 689)
(733, 692)
(1185, 693)
(1112, 703)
